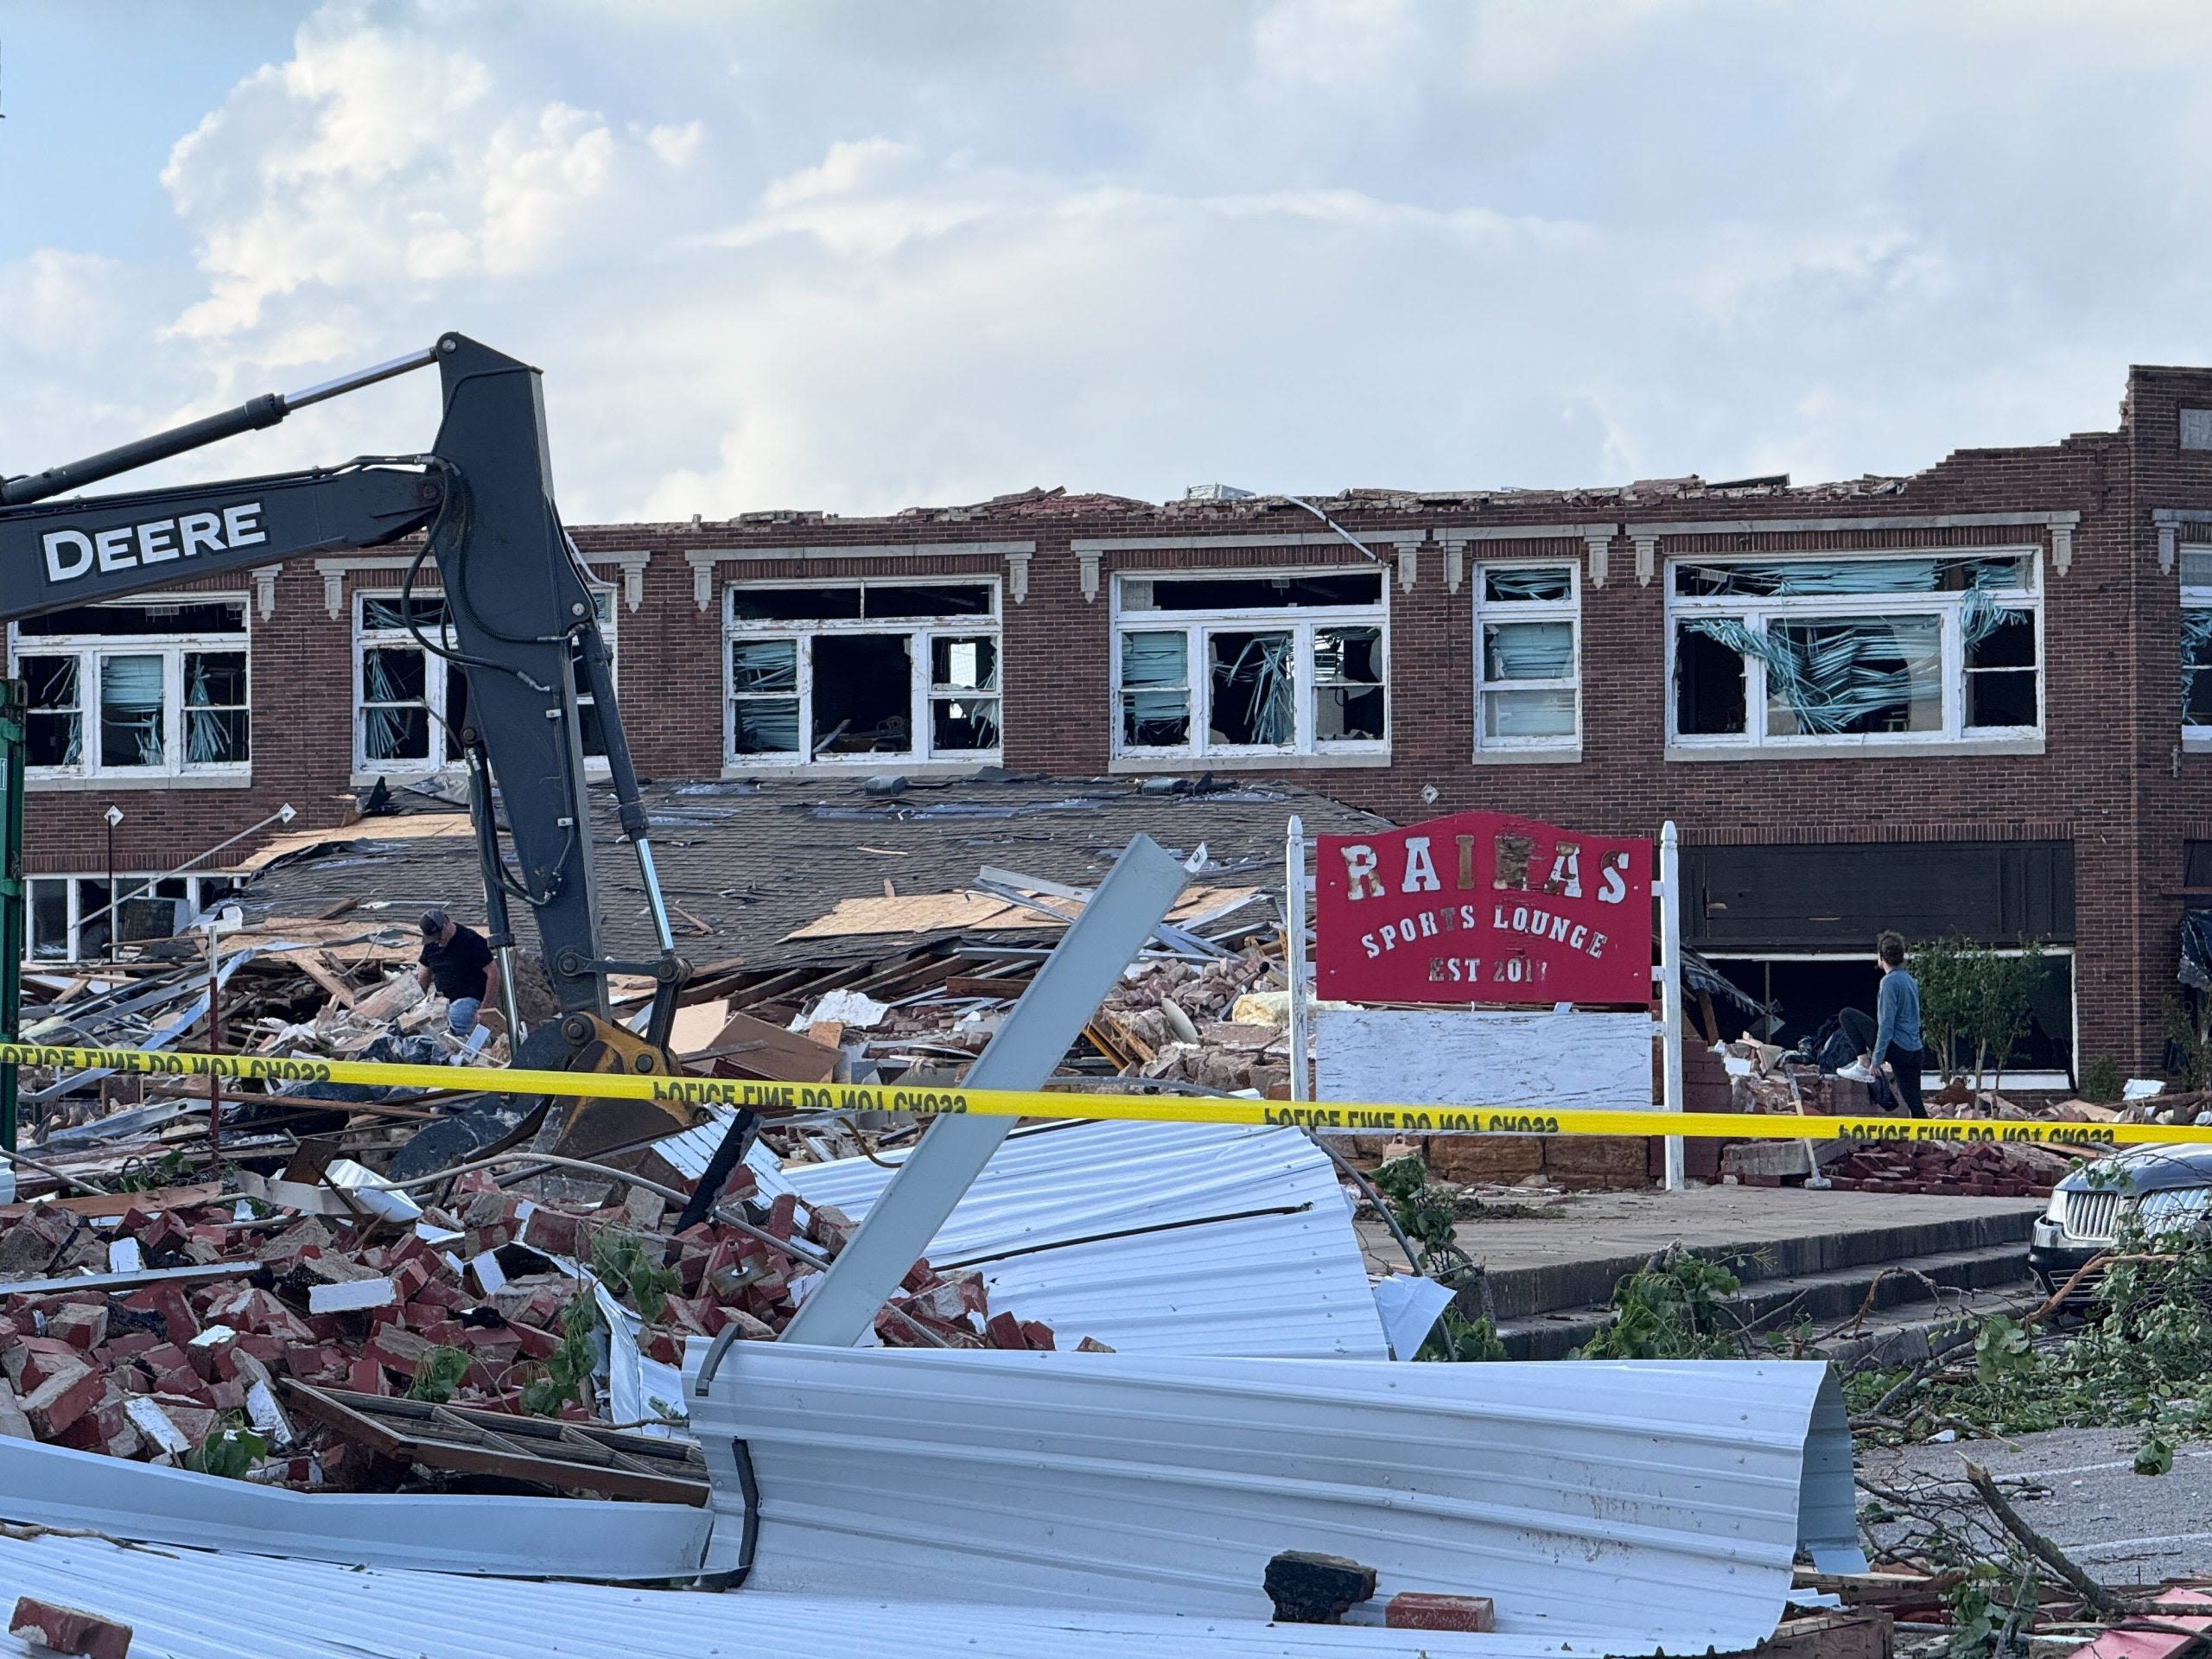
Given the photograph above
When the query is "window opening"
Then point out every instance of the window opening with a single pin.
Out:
(411, 704)
(1761, 651)
(840, 670)
(1528, 664)
(1291, 663)
(142, 689)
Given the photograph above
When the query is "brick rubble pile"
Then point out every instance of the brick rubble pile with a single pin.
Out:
(154, 1372)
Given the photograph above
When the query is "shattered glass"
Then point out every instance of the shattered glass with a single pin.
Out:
(763, 684)
(55, 722)
(1348, 695)
(216, 720)
(2197, 668)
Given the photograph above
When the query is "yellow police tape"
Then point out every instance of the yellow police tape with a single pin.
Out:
(927, 1101)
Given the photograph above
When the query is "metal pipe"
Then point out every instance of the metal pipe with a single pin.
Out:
(249, 416)
(360, 378)
(653, 900)
(282, 814)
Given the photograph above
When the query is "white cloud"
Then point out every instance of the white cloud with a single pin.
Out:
(828, 255)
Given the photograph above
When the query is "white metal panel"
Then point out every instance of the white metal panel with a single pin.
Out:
(1156, 1238)
(1481, 1057)
(187, 1604)
(1644, 1504)
(556, 1537)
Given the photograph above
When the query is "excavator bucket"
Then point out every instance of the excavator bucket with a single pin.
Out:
(585, 1126)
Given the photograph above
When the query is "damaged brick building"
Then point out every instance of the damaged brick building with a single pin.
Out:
(1977, 700)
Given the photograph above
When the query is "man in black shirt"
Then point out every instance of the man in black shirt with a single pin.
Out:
(460, 964)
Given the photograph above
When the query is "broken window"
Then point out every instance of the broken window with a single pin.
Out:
(71, 919)
(828, 671)
(1292, 663)
(2197, 645)
(1527, 670)
(155, 687)
(411, 702)
(1791, 650)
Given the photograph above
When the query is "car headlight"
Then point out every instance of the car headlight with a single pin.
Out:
(2056, 1209)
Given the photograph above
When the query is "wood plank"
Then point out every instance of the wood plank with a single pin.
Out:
(91, 1205)
(544, 1452)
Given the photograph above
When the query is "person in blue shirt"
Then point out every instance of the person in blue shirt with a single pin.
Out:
(1896, 1023)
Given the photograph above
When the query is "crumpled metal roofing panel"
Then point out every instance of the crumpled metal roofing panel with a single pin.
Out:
(1156, 1238)
(56, 1486)
(1626, 1506)
(187, 1604)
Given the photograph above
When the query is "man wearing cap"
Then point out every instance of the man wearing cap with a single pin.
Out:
(460, 964)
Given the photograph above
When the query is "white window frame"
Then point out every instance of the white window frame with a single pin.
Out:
(1301, 623)
(2195, 559)
(1492, 612)
(127, 884)
(1955, 736)
(91, 649)
(922, 632)
(436, 670)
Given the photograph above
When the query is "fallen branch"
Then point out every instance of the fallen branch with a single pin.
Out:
(2093, 1595)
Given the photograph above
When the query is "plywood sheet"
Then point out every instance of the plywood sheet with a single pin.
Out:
(963, 911)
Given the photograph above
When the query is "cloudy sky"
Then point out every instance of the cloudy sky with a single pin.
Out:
(855, 256)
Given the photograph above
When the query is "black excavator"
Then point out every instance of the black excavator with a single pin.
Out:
(524, 632)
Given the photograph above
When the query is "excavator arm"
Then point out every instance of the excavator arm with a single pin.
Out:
(523, 631)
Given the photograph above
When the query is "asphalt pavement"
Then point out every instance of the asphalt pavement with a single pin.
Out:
(2082, 1492)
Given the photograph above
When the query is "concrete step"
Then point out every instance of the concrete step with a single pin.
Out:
(1905, 1296)
(1522, 1290)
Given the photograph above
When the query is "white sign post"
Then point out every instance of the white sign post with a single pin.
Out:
(1670, 989)
(1293, 910)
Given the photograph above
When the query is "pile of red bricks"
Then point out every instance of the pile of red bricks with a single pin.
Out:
(153, 1370)
(1978, 1169)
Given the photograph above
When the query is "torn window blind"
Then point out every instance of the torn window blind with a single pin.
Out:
(1526, 667)
(1802, 578)
(55, 725)
(1253, 703)
(763, 684)
(2195, 667)
(1348, 695)
(1855, 675)
(130, 711)
(387, 612)
(395, 716)
(216, 717)
(1527, 651)
(1155, 690)
(1513, 582)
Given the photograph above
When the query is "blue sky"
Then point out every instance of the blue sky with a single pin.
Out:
(821, 253)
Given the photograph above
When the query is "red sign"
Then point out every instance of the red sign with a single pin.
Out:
(1480, 907)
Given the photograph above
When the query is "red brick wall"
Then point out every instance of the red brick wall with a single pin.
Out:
(2107, 781)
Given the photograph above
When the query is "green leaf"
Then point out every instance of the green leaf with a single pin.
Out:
(2153, 1456)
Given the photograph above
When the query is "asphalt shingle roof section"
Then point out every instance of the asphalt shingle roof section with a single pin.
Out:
(753, 861)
